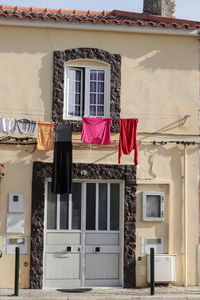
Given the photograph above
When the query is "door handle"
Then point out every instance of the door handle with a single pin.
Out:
(68, 249)
(61, 255)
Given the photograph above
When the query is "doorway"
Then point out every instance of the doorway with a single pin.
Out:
(83, 236)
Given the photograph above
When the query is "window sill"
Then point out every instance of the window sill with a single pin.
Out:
(77, 124)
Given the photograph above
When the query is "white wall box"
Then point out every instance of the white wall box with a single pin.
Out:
(153, 206)
(15, 223)
(165, 268)
(15, 202)
(158, 243)
(10, 243)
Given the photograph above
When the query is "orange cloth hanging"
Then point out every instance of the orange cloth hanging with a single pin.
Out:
(46, 133)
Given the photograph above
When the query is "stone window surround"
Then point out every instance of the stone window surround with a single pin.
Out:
(42, 170)
(59, 59)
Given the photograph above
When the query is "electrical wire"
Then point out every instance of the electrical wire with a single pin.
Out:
(11, 140)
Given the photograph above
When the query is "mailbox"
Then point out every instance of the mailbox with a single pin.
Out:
(10, 243)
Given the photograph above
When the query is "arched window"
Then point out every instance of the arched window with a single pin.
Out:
(86, 83)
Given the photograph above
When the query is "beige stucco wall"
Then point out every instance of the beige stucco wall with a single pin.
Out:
(159, 86)
(150, 229)
(164, 172)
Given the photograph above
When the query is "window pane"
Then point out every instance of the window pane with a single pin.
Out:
(71, 98)
(100, 99)
(74, 110)
(51, 208)
(77, 99)
(100, 111)
(64, 210)
(71, 74)
(114, 206)
(153, 206)
(77, 110)
(71, 86)
(92, 110)
(78, 87)
(90, 206)
(101, 75)
(78, 75)
(92, 98)
(97, 87)
(71, 110)
(74, 92)
(102, 206)
(93, 75)
(92, 87)
(76, 206)
(100, 87)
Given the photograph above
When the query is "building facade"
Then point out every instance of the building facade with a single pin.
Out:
(101, 234)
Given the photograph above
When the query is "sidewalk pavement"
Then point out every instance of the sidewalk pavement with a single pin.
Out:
(161, 293)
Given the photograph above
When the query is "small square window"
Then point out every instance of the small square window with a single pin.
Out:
(86, 92)
(153, 206)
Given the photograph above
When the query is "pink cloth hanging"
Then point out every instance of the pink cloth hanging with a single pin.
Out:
(96, 131)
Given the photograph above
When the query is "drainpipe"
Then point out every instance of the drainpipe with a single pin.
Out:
(185, 200)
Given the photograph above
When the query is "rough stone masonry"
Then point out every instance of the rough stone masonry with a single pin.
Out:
(164, 8)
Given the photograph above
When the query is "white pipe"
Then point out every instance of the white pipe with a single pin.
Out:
(185, 198)
(99, 27)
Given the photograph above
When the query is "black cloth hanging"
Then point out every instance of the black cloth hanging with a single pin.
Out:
(62, 161)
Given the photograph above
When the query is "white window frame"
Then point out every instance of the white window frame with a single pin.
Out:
(108, 208)
(67, 87)
(83, 200)
(86, 96)
(144, 206)
(57, 229)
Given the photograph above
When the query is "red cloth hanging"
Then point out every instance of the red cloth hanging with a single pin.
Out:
(127, 138)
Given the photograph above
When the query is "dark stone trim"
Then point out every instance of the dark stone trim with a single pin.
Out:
(114, 60)
(127, 173)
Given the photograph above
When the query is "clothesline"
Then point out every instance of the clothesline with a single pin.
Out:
(94, 131)
(28, 127)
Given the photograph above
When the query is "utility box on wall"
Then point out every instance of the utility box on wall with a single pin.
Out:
(153, 206)
(15, 203)
(10, 243)
(15, 223)
(165, 268)
(158, 243)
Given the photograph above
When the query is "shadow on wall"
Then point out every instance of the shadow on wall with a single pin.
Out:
(170, 126)
(157, 52)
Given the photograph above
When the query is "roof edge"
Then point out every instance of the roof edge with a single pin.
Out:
(151, 17)
(99, 27)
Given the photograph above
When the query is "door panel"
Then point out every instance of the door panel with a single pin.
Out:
(101, 244)
(63, 238)
(102, 238)
(62, 265)
(102, 266)
(63, 245)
